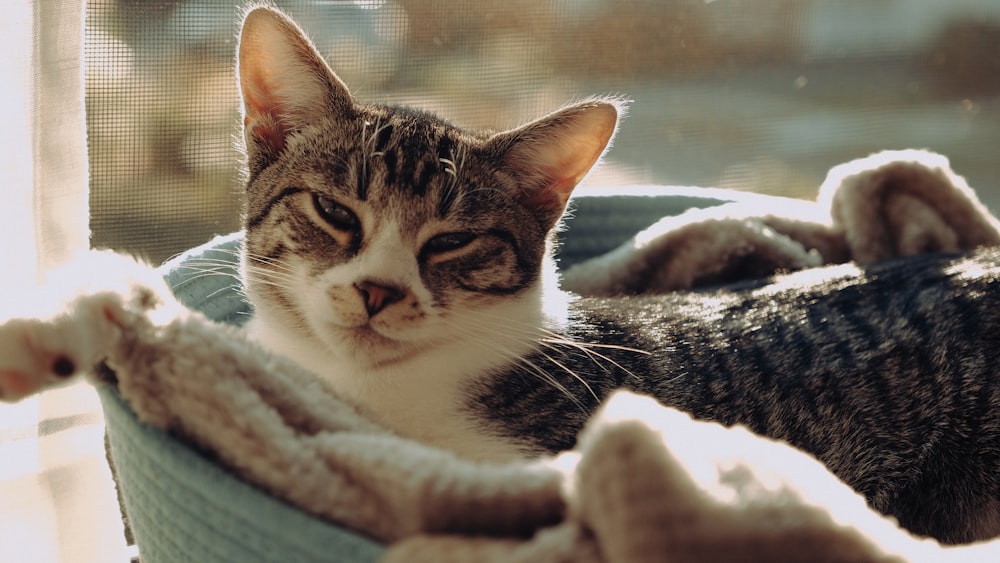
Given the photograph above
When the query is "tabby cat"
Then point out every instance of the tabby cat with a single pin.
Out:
(407, 262)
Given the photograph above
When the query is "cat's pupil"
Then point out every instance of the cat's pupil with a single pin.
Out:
(449, 241)
(338, 216)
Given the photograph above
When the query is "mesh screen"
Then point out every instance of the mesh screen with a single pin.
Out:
(761, 95)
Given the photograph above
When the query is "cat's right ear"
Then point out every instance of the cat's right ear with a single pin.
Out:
(284, 82)
(550, 156)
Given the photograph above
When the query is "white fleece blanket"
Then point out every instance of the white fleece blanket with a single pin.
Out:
(894, 203)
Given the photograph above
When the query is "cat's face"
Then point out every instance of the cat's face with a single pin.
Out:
(378, 233)
(382, 234)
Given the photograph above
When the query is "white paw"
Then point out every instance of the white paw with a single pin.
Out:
(37, 353)
(73, 320)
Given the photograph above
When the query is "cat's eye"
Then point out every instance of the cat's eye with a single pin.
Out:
(338, 216)
(448, 241)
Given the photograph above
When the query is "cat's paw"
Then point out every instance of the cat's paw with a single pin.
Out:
(68, 325)
(38, 353)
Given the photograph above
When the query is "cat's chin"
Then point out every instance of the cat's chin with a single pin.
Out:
(368, 348)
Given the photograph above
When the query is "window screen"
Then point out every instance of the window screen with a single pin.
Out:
(762, 95)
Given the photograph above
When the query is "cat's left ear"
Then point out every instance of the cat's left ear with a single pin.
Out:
(285, 83)
(548, 157)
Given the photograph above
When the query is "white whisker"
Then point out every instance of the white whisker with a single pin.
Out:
(533, 367)
(517, 332)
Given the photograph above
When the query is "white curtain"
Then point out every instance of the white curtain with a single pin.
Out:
(57, 500)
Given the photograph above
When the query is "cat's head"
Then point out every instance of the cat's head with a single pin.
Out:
(379, 232)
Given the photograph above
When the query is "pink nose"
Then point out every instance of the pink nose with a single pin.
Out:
(378, 296)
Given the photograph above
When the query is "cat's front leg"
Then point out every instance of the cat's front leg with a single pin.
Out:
(68, 326)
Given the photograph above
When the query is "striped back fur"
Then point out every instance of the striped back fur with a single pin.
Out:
(888, 375)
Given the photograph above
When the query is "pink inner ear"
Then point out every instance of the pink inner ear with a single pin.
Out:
(262, 119)
(556, 193)
(552, 197)
(265, 50)
(568, 151)
(267, 130)
(574, 161)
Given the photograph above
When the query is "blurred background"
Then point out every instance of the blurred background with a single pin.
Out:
(758, 95)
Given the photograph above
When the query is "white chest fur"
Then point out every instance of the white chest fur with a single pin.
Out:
(424, 397)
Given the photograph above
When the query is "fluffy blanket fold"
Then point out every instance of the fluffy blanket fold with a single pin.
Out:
(645, 483)
(894, 203)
